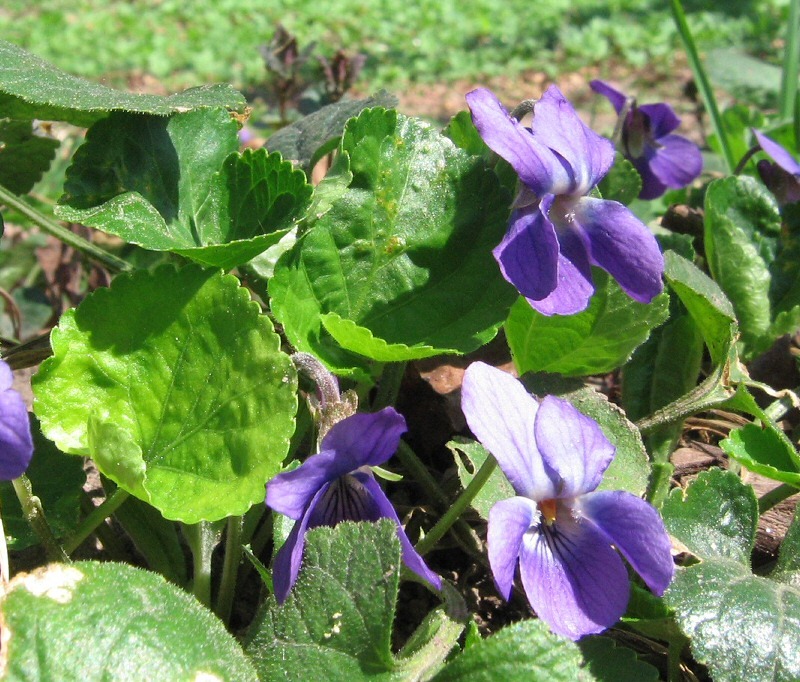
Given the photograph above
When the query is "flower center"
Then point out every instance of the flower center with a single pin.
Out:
(548, 510)
(636, 134)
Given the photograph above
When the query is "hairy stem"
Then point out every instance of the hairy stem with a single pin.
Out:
(230, 568)
(34, 515)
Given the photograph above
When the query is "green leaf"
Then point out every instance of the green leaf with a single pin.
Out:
(598, 340)
(31, 88)
(56, 480)
(175, 383)
(24, 155)
(787, 570)
(100, 621)
(742, 626)
(469, 457)
(763, 451)
(622, 183)
(706, 303)
(715, 517)
(609, 662)
(630, 468)
(741, 231)
(177, 184)
(521, 652)
(336, 623)
(301, 140)
(404, 254)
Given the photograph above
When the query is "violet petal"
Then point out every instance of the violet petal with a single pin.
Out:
(676, 162)
(779, 155)
(364, 439)
(535, 164)
(501, 414)
(573, 447)
(528, 254)
(574, 580)
(411, 557)
(557, 125)
(662, 119)
(290, 493)
(614, 96)
(636, 529)
(286, 565)
(509, 520)
(622, 245)
(16, 442)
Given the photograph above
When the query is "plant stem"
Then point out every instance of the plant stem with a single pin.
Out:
(421, 475)
(202, 538)
(230, 568)
(34, 515)
(107, 260)
(775, 496)
(389, 385)
(702, 82)
(93, 520)
(791, 56)
(458, 507)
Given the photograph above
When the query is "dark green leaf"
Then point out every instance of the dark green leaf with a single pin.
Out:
(598, 340)
(787, 569)
(401, 264)
(103, 621)
(301, 140)
(177, 184)
(31, 88)
(609, 662)
(336, 623)
(24, 155)
(622, 183)
(175, 384)
(715, 518)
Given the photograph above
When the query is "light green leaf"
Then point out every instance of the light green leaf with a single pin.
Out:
(31, 88)
(706, 303)
(598, 340)
(715, 517)
(177, 184)
(405, 253)
(787, 569)
(763, 451)
(336, 623)
(521, 652)
(176, 384)
(102, 621)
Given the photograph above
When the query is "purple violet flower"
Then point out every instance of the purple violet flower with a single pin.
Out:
(556, 232)
(782, 178)
(558, 528)
(337, 485)
(661, 158)
(16, 444)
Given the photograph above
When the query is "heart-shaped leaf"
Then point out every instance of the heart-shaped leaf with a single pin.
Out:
(175, 384)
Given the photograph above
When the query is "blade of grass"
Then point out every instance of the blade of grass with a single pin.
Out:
(791, 58)
(703, 86)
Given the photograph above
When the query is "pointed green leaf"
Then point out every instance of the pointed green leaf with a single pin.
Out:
(763, 451)
(787, 569)
(24, 155)
(176, 384)
(608, 661)
(741, 231)
(31, 88)
(715, 517)
(301, 140)
(405, 253)
(521, 652)
(598, 340)
(102, 621)
(706, 303)
(336, 624)
(177, 184)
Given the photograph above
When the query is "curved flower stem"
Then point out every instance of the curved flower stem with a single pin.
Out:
(107, 260)
(93, 520)
(702, 82)
(34, 515)
(315, 370)
(458, 507)
(230, 568)
(389, 385)
(775, 496)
